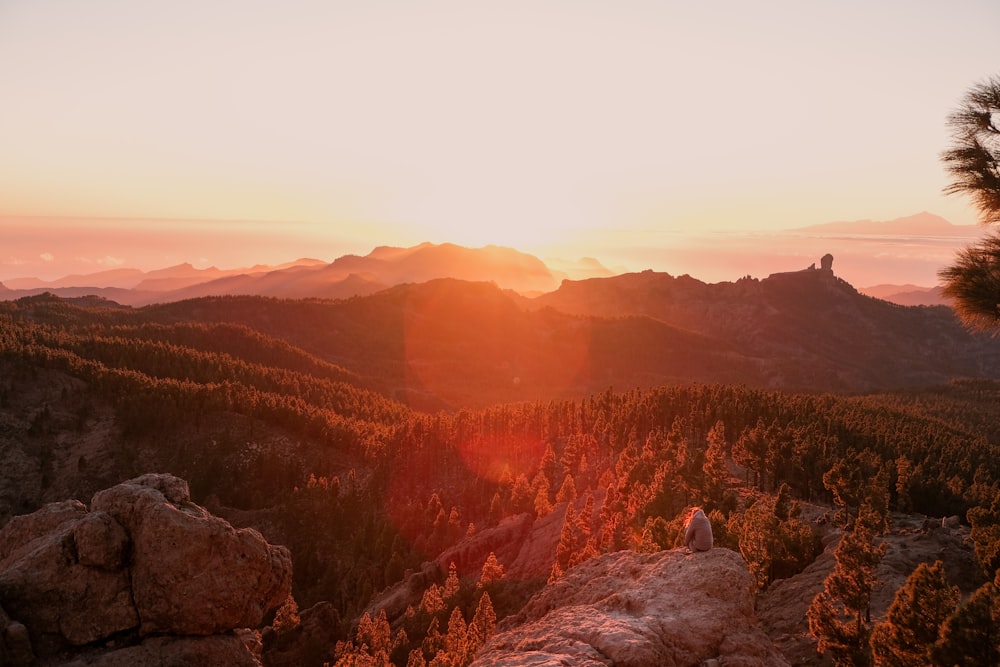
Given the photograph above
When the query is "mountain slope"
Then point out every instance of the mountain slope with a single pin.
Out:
(450, 343)
(808, 329)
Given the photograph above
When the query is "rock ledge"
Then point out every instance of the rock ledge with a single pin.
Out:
(671, 608)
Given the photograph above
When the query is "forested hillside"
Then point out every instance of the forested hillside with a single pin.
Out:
(449, 344)
(287, 416)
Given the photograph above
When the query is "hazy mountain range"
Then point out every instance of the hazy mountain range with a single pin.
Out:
(386, 266)
(349, 275)
(919, 224)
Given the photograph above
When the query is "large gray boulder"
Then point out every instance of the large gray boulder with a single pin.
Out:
(142, 560)
(192, 572)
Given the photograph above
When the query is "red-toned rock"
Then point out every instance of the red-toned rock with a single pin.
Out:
(100, 541)
(44, 584)
(22, 529)
(192, 572)
(15, 644)
(671, 608)
(144, 560)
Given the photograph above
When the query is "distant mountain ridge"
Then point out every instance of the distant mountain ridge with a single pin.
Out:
(347, 276)
(908, 295)
(387, 266)
(169, 278)
(923, 224)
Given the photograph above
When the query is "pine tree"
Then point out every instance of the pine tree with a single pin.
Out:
(521, 495)
(836, 634)
(785, 507)
(917, 612)
(655, 535)
(567, 545)
(416, 659)
(715, 468)
(567, 491)
(455, 642)
(451, 584)
(973, 282)
(434, 507)
(542, 504)
(971, 636)
(287, 618)
(491, 573)
(433, 641)
(852, 480)
(749, 451)
(496, 509)
(757, 530)
(906, 475)
(840, 616)
(375, 633)
(854, 576)
(439, 533)
(432, 602)
(985, 535)
(483, 625)
(548, 465)
(584, 537)
(372, 644)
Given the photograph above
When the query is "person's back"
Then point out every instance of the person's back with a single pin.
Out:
(698, 535)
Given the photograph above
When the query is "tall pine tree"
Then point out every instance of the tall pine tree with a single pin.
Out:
(840, 615)
(971, 636)
(911, 626)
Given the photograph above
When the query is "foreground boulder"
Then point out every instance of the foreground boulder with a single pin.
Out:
(144, 570)
(671, 608)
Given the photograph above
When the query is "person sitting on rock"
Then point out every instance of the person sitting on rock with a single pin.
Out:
(698, 534)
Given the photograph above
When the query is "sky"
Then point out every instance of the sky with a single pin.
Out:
(643, 133)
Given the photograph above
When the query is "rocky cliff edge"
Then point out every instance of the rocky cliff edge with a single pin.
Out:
(671, 608)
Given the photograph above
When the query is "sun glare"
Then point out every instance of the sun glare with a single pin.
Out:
(517, 216)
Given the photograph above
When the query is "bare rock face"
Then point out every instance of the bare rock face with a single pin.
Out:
(640, 610)
(143, 560)
(193, 573)
(15, 644)
(45, 584)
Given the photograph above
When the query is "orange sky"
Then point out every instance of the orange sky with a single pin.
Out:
(560, 128)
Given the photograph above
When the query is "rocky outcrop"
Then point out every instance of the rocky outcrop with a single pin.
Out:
(636, 610)
(145, 570)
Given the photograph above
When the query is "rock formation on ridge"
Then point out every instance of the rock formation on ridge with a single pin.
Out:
(144, 576)
(624, 608)
(628, 609)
